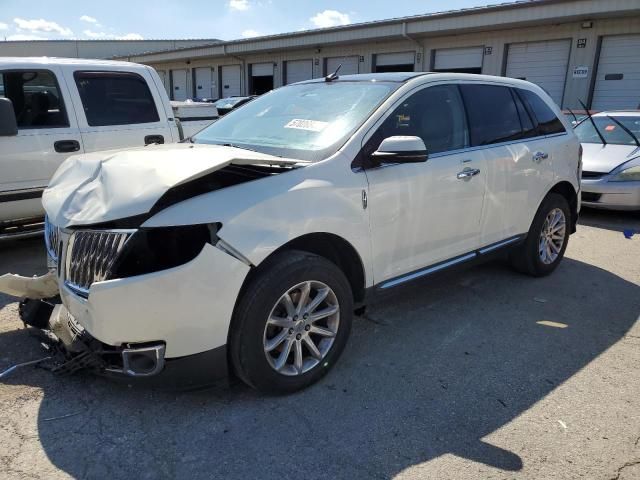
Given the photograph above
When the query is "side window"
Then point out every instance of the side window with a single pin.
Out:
(528, 126)
(435, 114)
(36, 98)
(493, 115)
(548, 123)
(115, 98)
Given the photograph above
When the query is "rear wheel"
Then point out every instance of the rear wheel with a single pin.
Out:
(547, 240)
(291, 323)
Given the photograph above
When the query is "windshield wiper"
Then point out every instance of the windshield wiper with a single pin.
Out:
(635, 139)
(604, 142)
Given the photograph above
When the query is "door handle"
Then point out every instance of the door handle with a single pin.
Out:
(66, 146)
(468, 173)
(153, 139)
(539, 156)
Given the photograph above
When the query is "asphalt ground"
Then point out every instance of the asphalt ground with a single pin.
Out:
(454, 378)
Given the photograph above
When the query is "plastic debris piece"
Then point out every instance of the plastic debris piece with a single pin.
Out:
(549, 323)
(629, 232)
(13, 368)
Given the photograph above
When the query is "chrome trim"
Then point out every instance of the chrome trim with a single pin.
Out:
(51, 239)
(90, 255)
(427, 271)
(495, 246)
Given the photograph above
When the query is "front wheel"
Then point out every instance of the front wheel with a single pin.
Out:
(547, 239)
(292, 322)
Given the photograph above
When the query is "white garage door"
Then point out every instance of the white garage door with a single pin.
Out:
(299, 70)
(390, 59)
(230, 75)
(204, 83)
(179, 81)
(165, 82)
(448, 59)
(262, 69)
(543, 63)
(618, 78)
(349, 65)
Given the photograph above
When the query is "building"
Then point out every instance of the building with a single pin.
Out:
(578, 50)
(92, 48)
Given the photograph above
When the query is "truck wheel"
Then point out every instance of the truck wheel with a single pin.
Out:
(291, 323)
(547, 240)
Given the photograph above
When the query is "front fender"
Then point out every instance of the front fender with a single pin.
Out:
(260, 216)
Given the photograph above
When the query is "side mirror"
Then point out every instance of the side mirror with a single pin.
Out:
(401, 149)
(8, 124)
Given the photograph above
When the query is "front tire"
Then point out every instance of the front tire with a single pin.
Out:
(547, 240)
(291, 323)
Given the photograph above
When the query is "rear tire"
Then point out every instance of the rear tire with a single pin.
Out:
(543, 250)
(280, 340)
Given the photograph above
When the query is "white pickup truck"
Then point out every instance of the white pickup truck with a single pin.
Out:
(51, 108)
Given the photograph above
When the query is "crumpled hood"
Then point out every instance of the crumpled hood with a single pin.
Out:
(604, 158)
(105, 186)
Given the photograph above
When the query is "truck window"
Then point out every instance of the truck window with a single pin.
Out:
(115, 98)
(36, 98)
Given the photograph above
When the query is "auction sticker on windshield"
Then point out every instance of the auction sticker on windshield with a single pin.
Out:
(311, 125)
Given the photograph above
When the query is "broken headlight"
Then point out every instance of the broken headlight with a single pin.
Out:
(154, 249)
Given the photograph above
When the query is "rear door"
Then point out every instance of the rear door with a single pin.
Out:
(428, 212)
(119, 109)
(502, 130)
(47, 135)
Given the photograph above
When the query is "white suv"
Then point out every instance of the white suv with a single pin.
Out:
(249, 248)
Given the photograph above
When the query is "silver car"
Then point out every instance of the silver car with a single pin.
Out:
(611, 160)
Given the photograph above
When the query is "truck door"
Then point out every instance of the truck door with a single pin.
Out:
(118, 109)
(47, 135)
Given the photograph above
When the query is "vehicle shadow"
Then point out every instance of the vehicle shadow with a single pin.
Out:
(435, 370)
(610, 220)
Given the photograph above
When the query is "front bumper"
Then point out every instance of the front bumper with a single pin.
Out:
(187, 310)
(601, 193)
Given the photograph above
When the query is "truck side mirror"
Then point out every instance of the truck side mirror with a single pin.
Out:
(8, 124)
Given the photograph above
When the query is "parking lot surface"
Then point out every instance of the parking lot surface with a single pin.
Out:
(455, 378)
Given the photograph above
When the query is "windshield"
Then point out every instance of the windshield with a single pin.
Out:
(609, 129)
(306, 121)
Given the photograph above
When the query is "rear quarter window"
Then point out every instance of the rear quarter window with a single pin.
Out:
(547, 121)
(115, 98)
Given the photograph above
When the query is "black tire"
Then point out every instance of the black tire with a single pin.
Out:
(526, 257)
(269, 283)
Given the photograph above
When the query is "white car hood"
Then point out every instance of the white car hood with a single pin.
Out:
(604, 158)
(105, 186)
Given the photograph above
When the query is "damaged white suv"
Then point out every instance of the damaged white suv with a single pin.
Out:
(248, 249)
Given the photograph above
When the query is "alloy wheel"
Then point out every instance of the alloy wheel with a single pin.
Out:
(552, 236)
(301, 328)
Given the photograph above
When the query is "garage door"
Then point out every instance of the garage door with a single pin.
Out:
(460, 60)
(543, 63)
(262, 69)
(204, 86)
(395, 62)
(165, 82)
(299, 70)
(618, 79)
(349, 65)
(179, 83)
(230, 80)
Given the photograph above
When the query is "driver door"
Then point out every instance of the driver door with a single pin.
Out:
(425, 213)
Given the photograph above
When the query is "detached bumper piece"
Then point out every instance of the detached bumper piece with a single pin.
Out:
(72, 349)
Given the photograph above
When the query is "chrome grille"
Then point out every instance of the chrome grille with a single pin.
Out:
(90, 256)
(51, 239)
